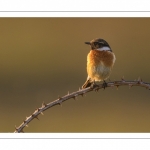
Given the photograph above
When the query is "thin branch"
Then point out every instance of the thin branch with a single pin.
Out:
(73, 95)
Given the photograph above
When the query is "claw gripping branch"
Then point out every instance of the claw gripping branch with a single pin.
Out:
(74, 95)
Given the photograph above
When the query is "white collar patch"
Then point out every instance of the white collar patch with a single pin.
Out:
(105, 48)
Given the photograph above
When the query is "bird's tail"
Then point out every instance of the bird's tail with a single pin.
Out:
(87, 84)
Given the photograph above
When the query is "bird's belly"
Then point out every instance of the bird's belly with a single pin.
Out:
(100, 72)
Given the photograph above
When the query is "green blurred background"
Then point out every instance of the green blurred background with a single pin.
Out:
(41, 58)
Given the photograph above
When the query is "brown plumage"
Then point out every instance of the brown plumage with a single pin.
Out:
(100, 61)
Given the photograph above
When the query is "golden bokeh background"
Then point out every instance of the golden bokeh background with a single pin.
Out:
(41, 58)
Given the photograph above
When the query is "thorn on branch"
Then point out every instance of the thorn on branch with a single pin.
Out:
(24, 121)
(16, 128)
(43, 104)
(38, 109)
(82, 94)
(41, 113)
(139, 80)
(59, 97)
(36, 117)
(117, 87)
(68, 93)
(59, 103)
(74, 97)
(122, 79)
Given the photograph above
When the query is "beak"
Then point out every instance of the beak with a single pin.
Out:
(88, 43)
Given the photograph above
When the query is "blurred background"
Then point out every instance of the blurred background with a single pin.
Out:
(41, 58)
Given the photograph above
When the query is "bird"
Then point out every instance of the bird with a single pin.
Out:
(100, 61)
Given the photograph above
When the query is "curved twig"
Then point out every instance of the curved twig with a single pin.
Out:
(81, 92)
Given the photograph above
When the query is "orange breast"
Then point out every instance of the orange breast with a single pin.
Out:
(95, 57)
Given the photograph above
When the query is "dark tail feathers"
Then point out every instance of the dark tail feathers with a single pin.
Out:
(87, 84)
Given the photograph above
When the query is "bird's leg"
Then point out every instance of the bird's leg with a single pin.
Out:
(104, 84)
(94, 85)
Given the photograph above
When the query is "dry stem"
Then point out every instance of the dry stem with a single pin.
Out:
(81, 92)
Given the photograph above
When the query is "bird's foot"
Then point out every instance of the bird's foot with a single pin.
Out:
(104, 84)
(94, 85)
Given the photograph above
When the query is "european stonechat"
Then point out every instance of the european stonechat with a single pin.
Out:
(100, 61)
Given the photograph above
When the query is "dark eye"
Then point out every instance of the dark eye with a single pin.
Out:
(95, 43)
